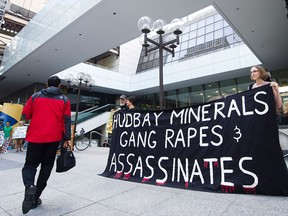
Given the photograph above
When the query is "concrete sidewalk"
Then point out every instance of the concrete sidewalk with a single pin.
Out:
(81, 191)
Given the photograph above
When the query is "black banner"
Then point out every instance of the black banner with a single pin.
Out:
(229, 145)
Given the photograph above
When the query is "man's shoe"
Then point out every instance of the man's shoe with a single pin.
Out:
(36, 203)
(29, 198)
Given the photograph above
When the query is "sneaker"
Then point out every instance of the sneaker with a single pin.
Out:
(29, 198)
(36, 203)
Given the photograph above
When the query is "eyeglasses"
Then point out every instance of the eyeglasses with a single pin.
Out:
(254, 71)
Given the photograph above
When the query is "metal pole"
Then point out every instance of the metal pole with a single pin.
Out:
(77, 108)
(161, 91)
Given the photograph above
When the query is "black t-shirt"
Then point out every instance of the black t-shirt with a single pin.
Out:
(124, 107)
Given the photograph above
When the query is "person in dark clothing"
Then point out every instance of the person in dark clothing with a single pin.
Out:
(50, 122)
(123, 102)
(1, 125)
(131, 102)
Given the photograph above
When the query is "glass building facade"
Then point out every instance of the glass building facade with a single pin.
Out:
(193, 95)
(209, 34)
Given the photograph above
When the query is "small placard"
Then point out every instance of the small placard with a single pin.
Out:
(19, 132)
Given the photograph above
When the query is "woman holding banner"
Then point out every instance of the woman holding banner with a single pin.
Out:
(259, 75)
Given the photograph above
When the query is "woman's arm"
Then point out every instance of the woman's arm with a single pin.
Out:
(277, 96)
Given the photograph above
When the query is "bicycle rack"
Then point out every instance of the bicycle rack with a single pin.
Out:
(95, 132)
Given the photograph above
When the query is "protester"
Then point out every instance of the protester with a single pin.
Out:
(259, 75)
(123, 102)
(1, 125)
(131, 102)
(50, 122)
(7, 131)
(7, 137)
(19, 141)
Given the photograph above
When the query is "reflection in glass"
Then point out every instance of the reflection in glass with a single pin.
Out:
(184, 97)
(171, 99)
(243, 82)
(228, 87)
(196, 95)
(211, 91)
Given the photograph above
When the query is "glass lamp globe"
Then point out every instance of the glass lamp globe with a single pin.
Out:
(158, 26)
(91, 83)
(80, 75)
(177, 26)
(86, 78)
(145, 24)
(74, 82)
(69, 77)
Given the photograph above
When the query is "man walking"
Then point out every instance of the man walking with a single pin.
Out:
(50, 114)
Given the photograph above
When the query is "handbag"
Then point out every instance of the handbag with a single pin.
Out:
(65, 161)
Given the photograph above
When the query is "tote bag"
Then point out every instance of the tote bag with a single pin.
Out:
(65, 161)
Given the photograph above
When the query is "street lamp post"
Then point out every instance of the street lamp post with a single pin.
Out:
(146, 25)
(77, 83)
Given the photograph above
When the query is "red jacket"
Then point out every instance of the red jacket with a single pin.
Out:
(50, 114)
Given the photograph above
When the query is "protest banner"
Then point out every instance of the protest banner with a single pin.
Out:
(229, 145)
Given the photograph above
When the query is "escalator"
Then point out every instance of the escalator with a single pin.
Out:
(93, 118)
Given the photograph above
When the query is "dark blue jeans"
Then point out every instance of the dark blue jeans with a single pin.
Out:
(39, 153)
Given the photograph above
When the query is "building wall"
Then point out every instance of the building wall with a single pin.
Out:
(129, 57)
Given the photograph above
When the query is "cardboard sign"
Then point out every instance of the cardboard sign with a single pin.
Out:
(19, 132)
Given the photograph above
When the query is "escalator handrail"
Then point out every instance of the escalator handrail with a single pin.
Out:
(92, 109)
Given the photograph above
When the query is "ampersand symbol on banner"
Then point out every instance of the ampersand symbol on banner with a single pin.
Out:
(238, 132)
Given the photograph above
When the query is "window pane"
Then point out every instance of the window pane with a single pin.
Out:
(149, 65)
(196, 95)
(184, 37)
(218, 25)
(228, 87)
(209, 37)
(143, 67)
(201, 23)
(211, 91)
(182, 54)
(192, 34)
(209, 20)
(200, 40)
(184, 45)
(193, 26)
(209, 28)
(171, 99)
(192, 42)
(184, 97)
(230, 39)
(218, 34)
(200, 31)
(168, 58)
(228, 31)
(243, 82)
(156, 63)
(151, 56)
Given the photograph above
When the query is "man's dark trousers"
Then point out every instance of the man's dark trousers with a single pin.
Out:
(39, 153)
